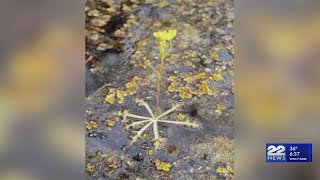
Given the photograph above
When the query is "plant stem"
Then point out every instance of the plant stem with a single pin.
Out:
(159, 85)
(163, 54)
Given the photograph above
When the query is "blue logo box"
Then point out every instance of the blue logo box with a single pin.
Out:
(284, 152)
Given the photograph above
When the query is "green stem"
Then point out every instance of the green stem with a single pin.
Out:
(159, 75)
(162, 47)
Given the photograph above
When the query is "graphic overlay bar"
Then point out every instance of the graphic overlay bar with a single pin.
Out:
(295, 152)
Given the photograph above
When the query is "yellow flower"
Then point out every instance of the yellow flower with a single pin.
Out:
(165, 35)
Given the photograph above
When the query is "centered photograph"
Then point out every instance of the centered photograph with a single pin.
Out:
(159, 89)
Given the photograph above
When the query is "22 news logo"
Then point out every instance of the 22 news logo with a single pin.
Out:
(276, 153)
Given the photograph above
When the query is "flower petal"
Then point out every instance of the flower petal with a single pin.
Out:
(165, 35)
(157, 35)
(171, 34)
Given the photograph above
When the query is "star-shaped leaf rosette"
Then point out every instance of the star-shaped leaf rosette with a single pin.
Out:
(154, 118)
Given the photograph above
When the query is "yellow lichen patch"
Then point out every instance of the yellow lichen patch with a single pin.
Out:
(157, 24)
(110, 123)
(219, 108)
(203, 76)
(140, 81)
(120, 95)
(145, 63)
(185, 94)
(214, 55)
(172, 78)
(94, 13)
(131, 87)
(224, 171)
(197, 84)
(191, 54)
(102, 47)
(171, 88)
(135, 56)
(187, 63)
(230, 63)
(110, 97)
(91, 125)
(90, 167)
(184, 75)
(88, 113)
(149, 1)
(112, 162)
(162, 166)
(98, 22)
(184, 91)
(86, 8)
(163, 4)
(111, 10)
(216, 77)
(218, 47)
(181, 117)
(131, 84)
(113, 166)
(158, 143)
(198, 76)
(119, 33)
(224, 94)
(142, 42)
(95, 37)
(204, 88)
(121, 113)
(106, 18)
(126, 8)
(115, 94)
(174, 56)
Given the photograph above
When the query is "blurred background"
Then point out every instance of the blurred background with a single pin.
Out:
(277, 85)
(42, 90)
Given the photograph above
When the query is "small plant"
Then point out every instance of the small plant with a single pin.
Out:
(165, 47)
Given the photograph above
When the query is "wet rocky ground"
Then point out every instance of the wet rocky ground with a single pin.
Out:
(199, 73)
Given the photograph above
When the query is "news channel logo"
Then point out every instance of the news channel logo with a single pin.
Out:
(284, 152)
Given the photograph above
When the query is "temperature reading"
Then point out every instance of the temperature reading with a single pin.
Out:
(293, 148)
